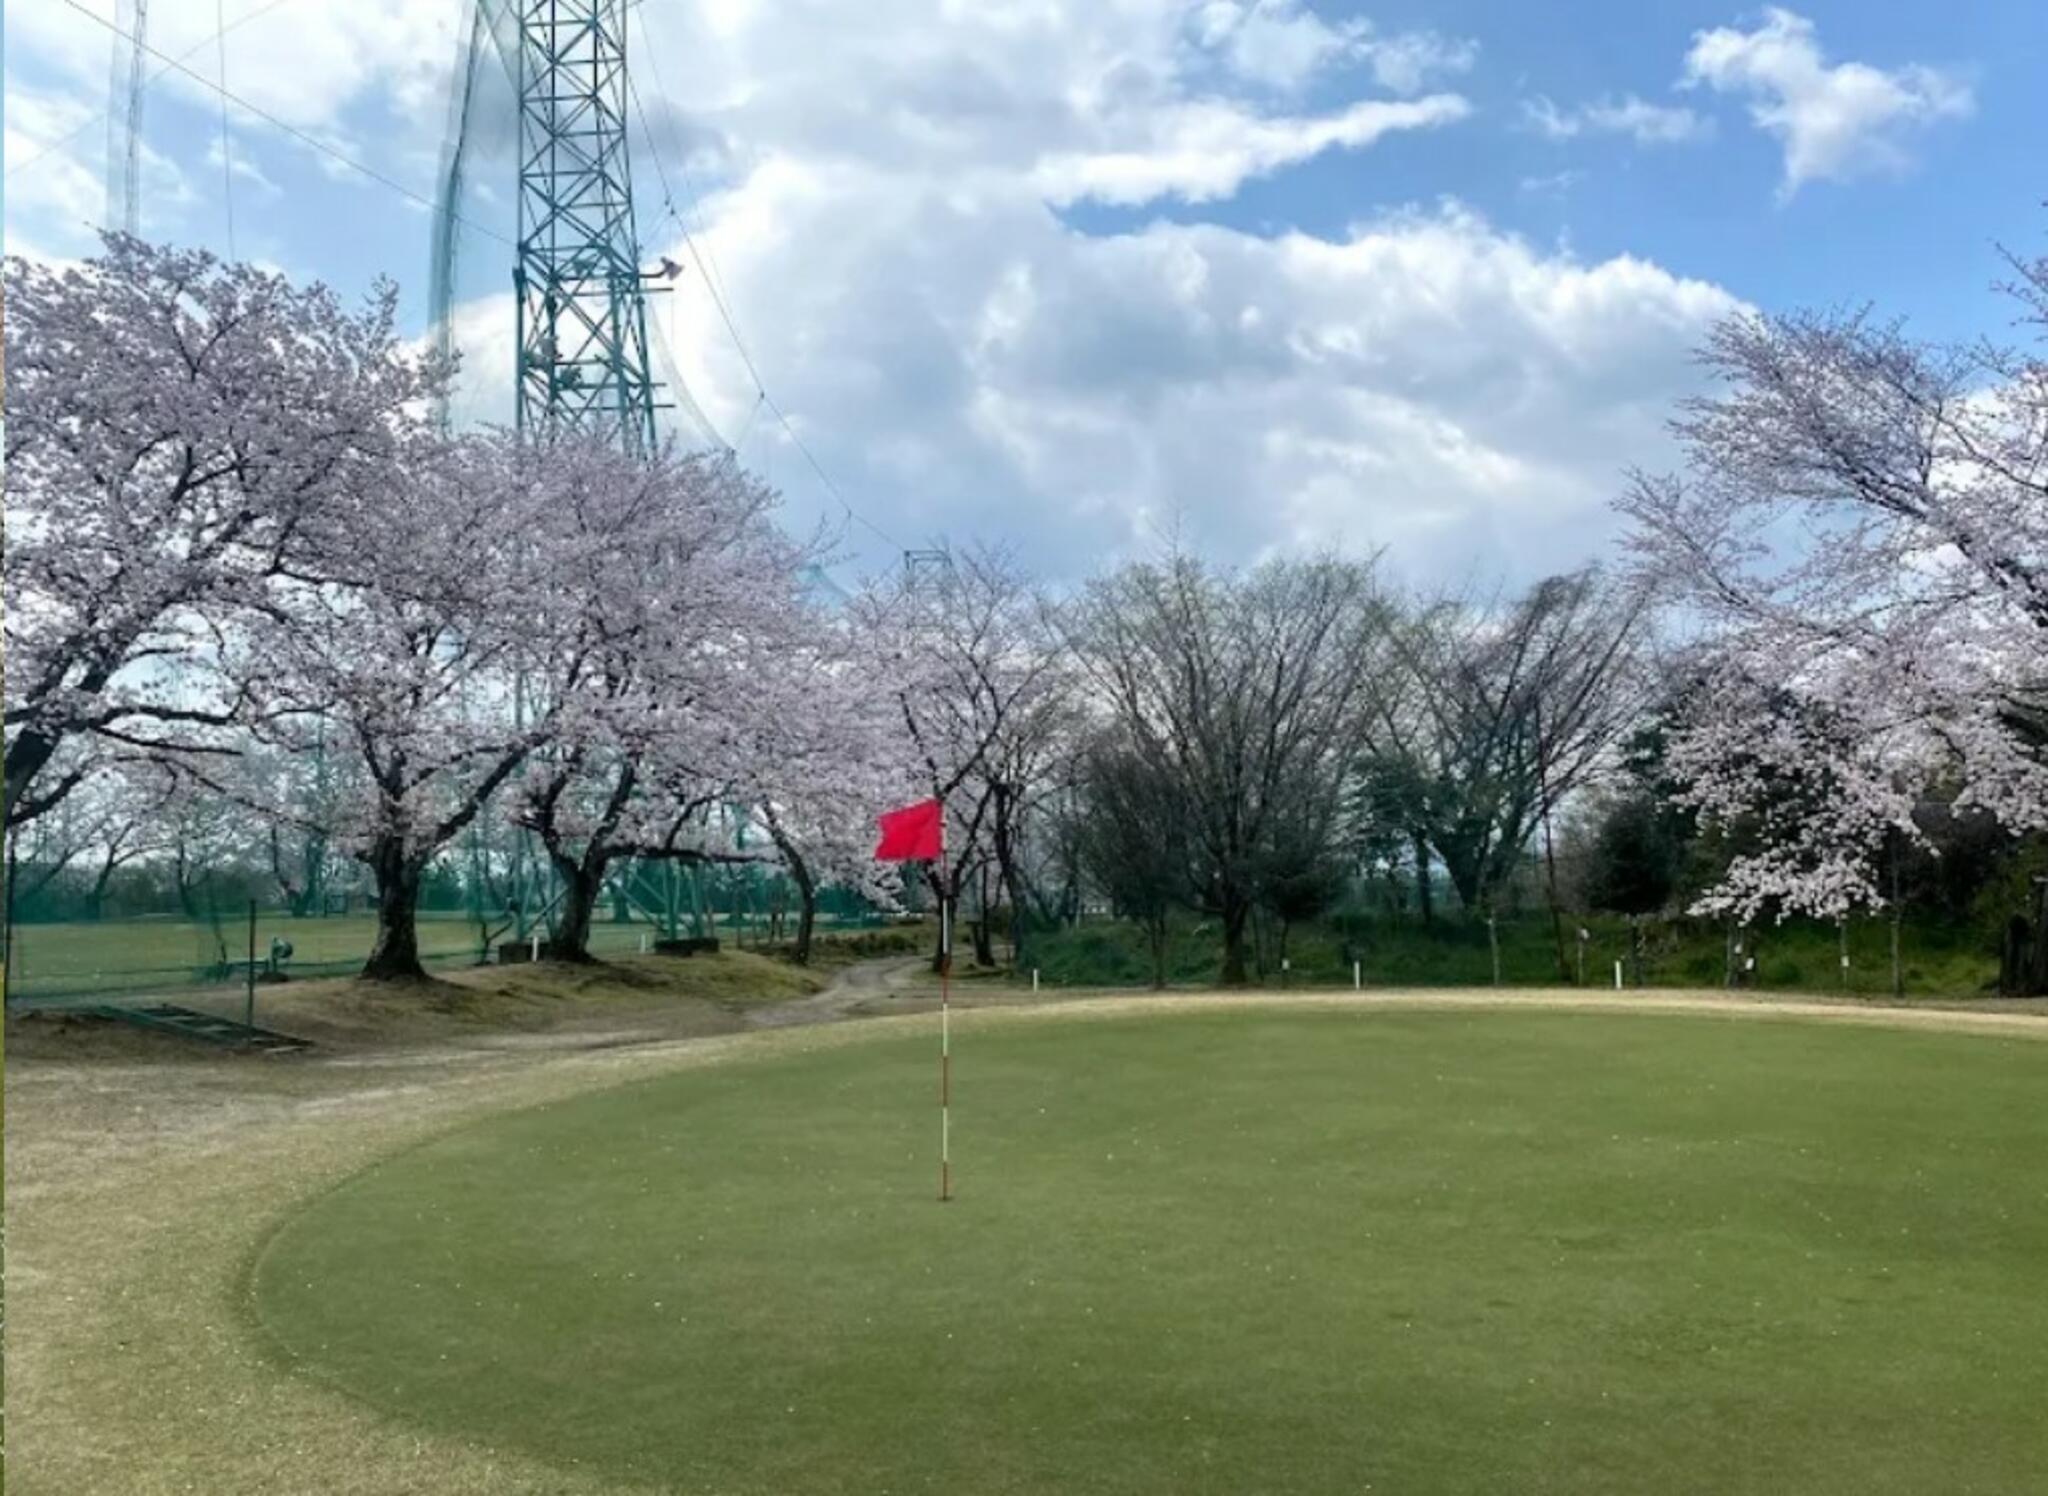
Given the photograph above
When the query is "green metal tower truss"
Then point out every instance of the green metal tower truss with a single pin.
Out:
(582, 298)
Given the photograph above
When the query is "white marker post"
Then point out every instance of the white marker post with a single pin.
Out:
(1034, 979)
(1617, 976)
(535, 953)
(1357, 976)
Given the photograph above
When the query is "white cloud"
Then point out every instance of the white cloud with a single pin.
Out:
(1834, 122)
(1644, 122)
(1554, 184)
(972, 366)
(1411, 61)
(307, 62)
(880, 195)
(1205, 151)
(56, 156)
(1282, 45)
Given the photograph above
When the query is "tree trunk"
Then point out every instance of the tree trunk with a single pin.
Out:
(1157, 929)
(941, 954)
(96, 897)
(1493, 945)
(1635, 950)
(1425, 892)
(1898, 959)
(1564, 970)
(806, 885)
(2039, 983)
(582, 886)
(26, 755)
(396, 955)
(984, 940)
(1235, 973)
(806, 919)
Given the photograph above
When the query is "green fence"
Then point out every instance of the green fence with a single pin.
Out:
(53, 962)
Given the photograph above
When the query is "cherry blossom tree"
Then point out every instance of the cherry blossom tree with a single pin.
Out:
(182, 434)
(675, 596)
(1860, 540)
(822, 766)
(402, 667)
(974, 664)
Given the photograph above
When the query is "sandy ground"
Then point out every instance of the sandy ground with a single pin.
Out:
(141, 1176)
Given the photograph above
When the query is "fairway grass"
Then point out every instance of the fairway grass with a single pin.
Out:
(1225, 1251)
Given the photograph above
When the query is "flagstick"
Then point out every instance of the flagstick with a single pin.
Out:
(945, 1045)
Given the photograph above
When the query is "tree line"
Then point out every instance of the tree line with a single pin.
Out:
(245, 569)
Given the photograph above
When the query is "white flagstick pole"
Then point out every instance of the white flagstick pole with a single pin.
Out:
(945, 1023)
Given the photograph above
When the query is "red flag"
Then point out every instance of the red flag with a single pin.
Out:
(912, 834)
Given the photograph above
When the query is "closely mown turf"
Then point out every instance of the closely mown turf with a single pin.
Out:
(1227, 1252)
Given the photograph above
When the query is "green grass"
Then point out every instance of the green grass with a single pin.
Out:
(1228, 1252)
(90, 959)
(1941, 960)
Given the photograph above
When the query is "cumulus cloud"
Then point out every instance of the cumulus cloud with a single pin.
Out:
(1835, 121)
(878, 194)
(307, 63)
(1644, 122)
(1424, 382)
(1206, 150)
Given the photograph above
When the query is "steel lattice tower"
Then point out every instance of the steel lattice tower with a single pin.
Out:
(582, 308)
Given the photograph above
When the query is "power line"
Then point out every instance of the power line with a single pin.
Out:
(731, 327)
(292, 130)
(227, 159)
(653, 55)
(99, 114)
(668, 202)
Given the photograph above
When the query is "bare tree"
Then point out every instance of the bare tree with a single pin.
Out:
(1131, 838)
(1245, 689)
(1498, 714)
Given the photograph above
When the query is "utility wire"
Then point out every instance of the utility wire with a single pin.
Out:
(731, 327)
(668, 195)
(99, 114)
(653, 54)
(292, 130)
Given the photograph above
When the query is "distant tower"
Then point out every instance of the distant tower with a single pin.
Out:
(582, 308)
(928, 571)
(124, 115)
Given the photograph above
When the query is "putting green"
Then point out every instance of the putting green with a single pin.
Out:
(1226, 1252)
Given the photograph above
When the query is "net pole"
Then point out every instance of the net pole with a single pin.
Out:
(249, 998)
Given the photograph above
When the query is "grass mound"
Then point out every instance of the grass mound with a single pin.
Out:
(1223, 1252)
(664, 996)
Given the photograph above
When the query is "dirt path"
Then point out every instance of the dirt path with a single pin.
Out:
(138, 1186)
(857, 991)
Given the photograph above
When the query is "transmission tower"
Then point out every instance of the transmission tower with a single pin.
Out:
(124, 115)
(582, 303)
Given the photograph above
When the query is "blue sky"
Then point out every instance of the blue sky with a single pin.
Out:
(1265, 276)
